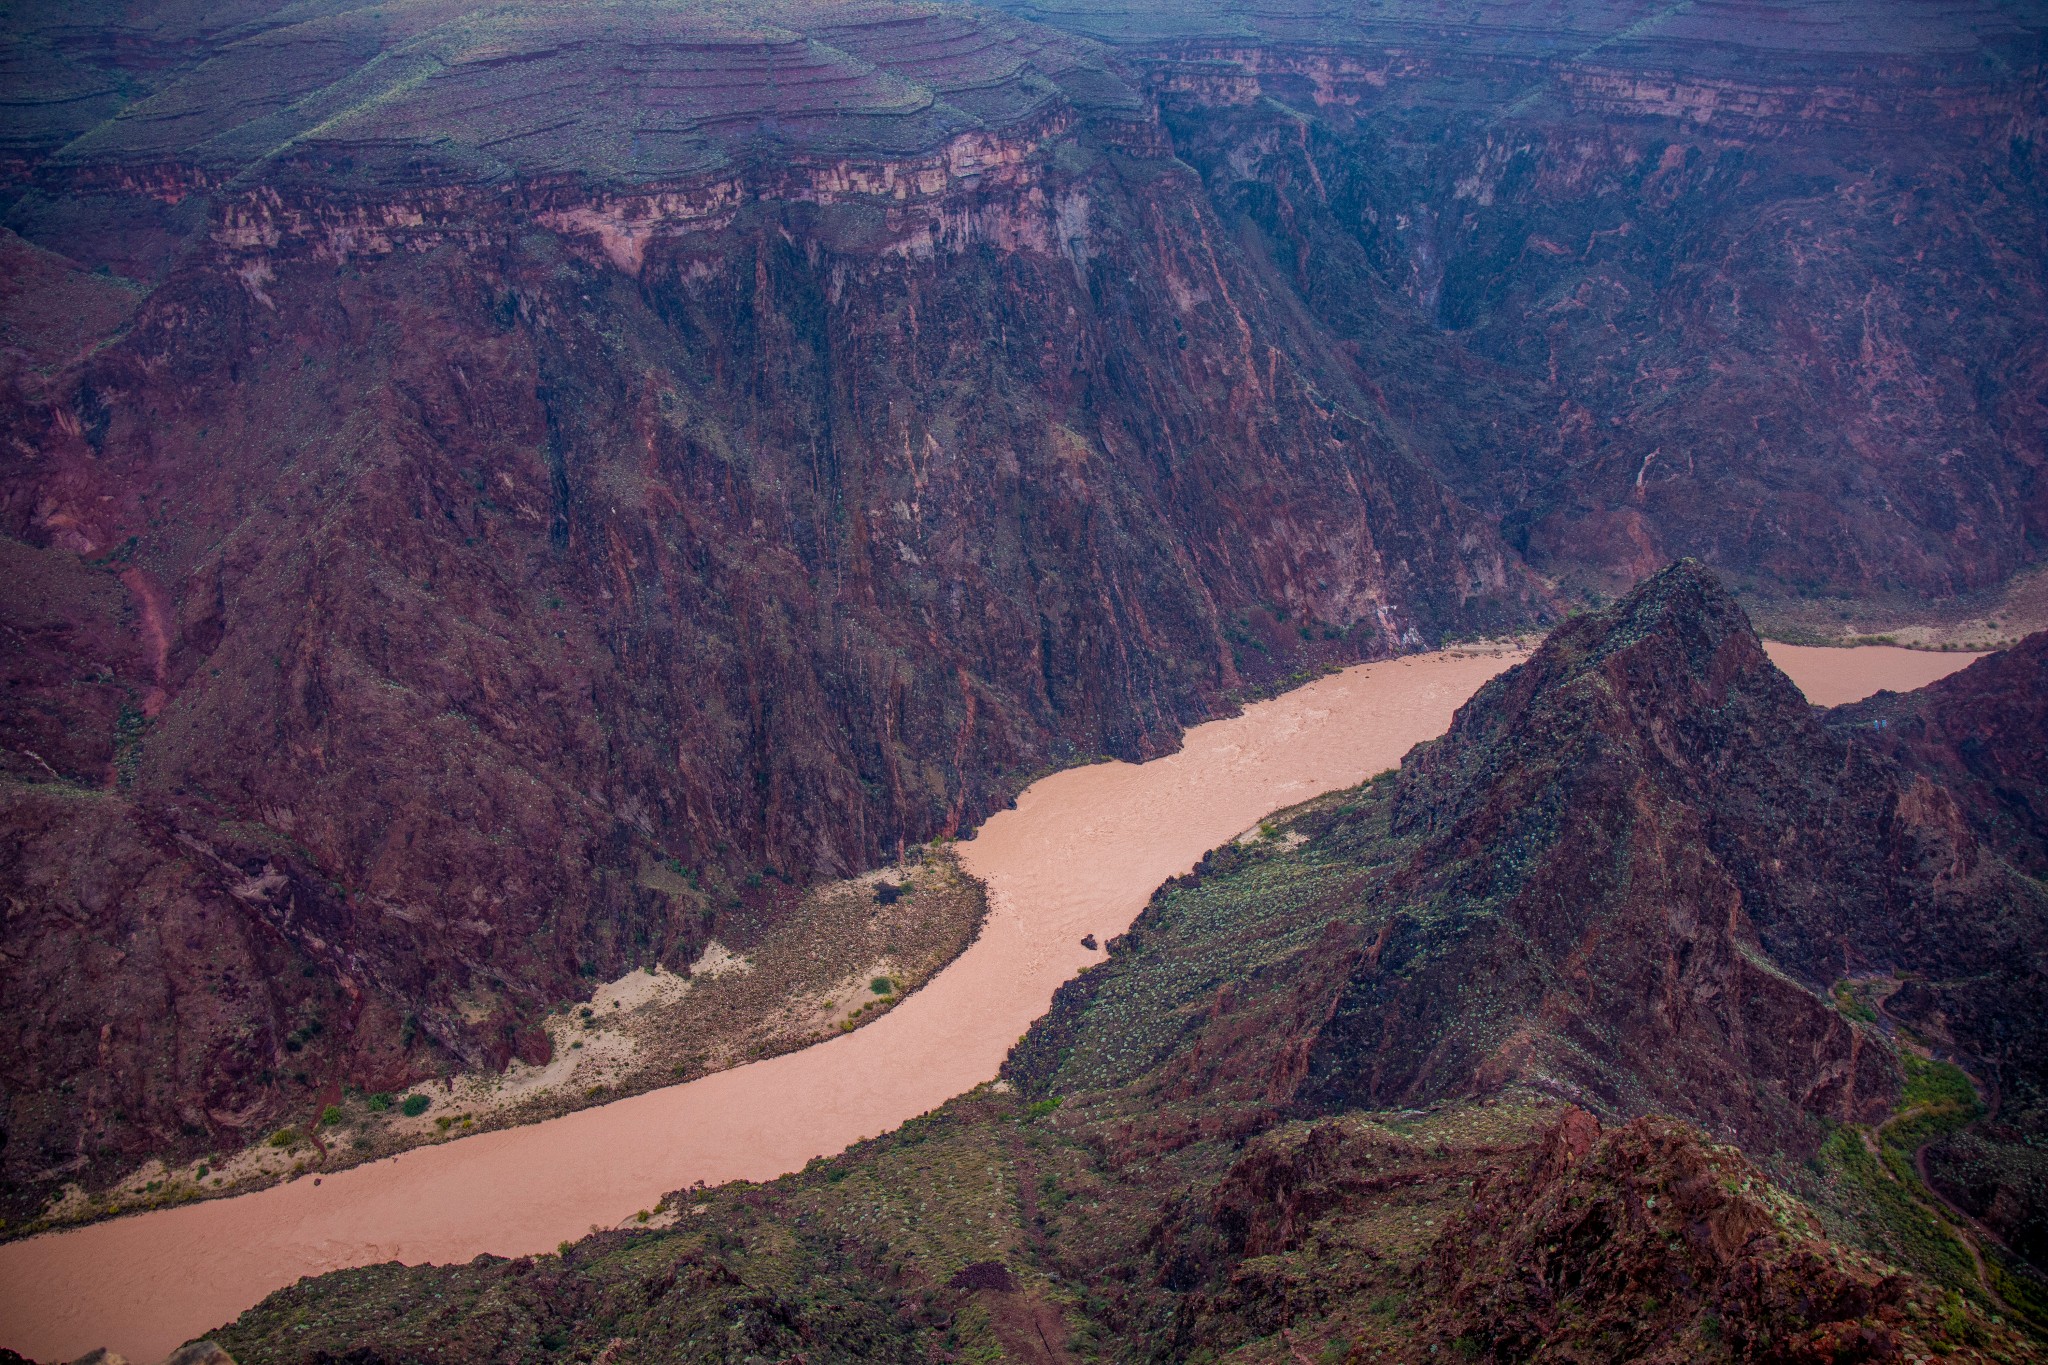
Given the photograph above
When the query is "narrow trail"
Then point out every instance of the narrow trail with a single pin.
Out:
(1077, 857)
(1969, 1232)
(1963, 1223)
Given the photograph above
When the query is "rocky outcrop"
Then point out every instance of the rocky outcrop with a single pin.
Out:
(1632, 872)
(1641, 864)
(1644, 1243)
(1982, 734)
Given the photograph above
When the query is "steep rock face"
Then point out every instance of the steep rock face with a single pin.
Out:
(487, 539)
(1753, 284)
(1983, 734)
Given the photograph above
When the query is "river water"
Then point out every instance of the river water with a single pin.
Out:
(1079, 854)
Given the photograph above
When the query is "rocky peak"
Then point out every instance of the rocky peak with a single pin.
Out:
(1639, 864)
(1670, 673)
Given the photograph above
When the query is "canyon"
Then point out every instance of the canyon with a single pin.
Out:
(495, 497)
(1367, 1083)
(1074, 860)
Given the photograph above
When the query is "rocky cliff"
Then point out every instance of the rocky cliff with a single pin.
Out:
(1638, 872)
(1982, 734)
(1751, 283)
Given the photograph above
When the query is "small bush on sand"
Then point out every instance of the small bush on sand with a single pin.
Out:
(332, 1115)
(283, 1137)
(881, 985)
(412, 1106)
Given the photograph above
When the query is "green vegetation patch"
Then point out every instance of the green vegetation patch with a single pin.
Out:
(1878, 1170)
(1850, 1001)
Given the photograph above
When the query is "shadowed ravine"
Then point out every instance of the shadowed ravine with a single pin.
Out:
(1078, 855)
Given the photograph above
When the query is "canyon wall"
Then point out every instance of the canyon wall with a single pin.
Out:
(1759, 285)
(445, 586)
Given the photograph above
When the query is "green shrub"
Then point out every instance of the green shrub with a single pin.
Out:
(379, 1102)
(283, 1137)
(413, 1105)
(332, 1115)
(881, 985)
(1892, 1210)
(1852, 1005)
(1942, 1087)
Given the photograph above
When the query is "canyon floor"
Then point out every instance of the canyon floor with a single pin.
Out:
(1074, 861)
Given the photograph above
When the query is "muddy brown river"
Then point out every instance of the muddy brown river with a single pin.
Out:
(1079, 854)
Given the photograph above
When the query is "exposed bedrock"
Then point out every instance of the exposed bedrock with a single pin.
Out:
(1761, 287)
(1637, 871)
